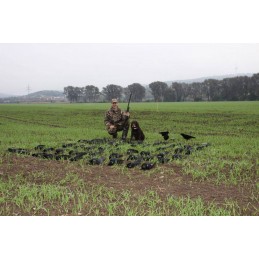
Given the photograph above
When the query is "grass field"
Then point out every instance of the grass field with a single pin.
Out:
(221, 179)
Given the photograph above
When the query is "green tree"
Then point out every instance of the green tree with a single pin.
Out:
(158, 90)
(112, 91)
(179, 91)
(195, 91)
(170, 95)
(253, 88)
(72, 93)
(91, 93)
(212, 89)
(138, 92)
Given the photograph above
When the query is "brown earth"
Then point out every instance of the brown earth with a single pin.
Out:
(166, 180)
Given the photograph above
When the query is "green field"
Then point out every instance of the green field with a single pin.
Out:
(221, 179)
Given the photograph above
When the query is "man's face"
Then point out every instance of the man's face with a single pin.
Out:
(114, 105)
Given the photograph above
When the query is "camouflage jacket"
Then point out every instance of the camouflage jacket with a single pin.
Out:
(114, 117)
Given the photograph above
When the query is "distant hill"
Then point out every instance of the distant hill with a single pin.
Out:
(202, 79)
(5, 95)
(46, 93)
(40, 96)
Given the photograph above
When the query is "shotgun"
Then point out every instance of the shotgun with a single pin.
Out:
(129, 102)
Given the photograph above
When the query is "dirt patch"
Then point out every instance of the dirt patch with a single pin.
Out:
(166, 179)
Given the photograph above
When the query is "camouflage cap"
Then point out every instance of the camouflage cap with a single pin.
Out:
(114, 100)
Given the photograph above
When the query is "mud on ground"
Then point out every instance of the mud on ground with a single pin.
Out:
(166, 180)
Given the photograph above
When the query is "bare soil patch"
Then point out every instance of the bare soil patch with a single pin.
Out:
(166, 180)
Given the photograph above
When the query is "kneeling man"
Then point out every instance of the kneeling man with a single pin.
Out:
(115, 120)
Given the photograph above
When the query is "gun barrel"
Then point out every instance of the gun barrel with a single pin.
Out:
(129, 102)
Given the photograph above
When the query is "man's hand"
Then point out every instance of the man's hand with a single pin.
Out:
(126, 114)
(112, 126)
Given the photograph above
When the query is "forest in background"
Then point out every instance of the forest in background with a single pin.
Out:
(240, 88)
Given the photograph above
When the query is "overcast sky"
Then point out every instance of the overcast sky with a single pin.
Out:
(55, 66)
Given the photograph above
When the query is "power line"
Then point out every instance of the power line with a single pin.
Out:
(28, 89)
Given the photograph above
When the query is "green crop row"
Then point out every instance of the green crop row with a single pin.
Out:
(230, 128)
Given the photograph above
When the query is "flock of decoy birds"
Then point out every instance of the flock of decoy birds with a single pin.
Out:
(114, 152)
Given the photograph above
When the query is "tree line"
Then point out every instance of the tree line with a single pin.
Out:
(241, 88)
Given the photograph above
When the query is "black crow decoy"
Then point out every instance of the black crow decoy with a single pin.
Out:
(115, 155)
(185, 136)
(131, 151)
(147, 166)
(134, 163)
(164, 134)
(96, 161)
(114, 161)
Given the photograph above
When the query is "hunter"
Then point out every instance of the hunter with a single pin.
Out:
(115, 120)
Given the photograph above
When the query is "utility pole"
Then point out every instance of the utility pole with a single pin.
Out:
(28, 89)
(236, 68)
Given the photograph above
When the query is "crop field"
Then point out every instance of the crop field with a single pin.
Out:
(55, 159)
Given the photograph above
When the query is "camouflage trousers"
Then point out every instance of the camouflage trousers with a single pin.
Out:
(121, 126)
